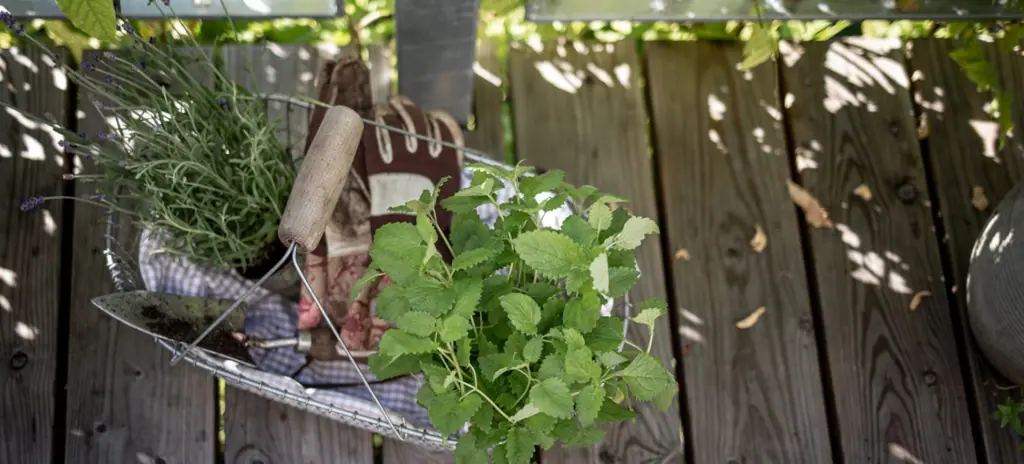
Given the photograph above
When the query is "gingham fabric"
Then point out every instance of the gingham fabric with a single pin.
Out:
(270, 316)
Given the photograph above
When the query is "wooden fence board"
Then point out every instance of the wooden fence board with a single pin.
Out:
(31, 164)
(895, 373)
(488, 95)
(258, 429)
(578, 107)
(125, 402)
(755, 394)
(964, 154)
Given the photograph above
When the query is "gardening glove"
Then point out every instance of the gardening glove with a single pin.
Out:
(400, 167)
(343, 251)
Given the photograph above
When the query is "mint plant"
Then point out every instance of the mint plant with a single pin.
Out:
(510, 338)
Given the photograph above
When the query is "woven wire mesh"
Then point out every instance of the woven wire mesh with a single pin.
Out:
(290, 117)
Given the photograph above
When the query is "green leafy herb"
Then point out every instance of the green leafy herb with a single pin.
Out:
(523, 356)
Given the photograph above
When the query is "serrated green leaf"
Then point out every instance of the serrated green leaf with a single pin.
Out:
(468, 452)
(650, 310)
(577, 280)
(607, 336)
(395, 343)
(430, 296)
(397, 251)
(634, 231)
(492, 363)
(417, 323)
(555, 202)
(519, 446)
(582, 313)
(436, 376)
(463, 204)
(613, 412)
(533, 350)
(471, 259)
(646, 377)
(453, 328)
(93, 17)
(588, 404)
(425, 228)
(550, 253)
(553, 398)
(573, 338)
(552, 367)
(530, 186)
(509, 368)
(499, 455)
(448, 414)
(371, 275)
(585, 437)
(663, 400)
(759, 48)
(482, 189)
(599, 216)
(391, 303)
(384, 368)
(468, 232)
(611, 359)
(579, 230)
(599, 273)
(483, 419)
(580, 366)
(522, 311)
(529, 410)
(468, 293)
(621, 280)
(540, 426)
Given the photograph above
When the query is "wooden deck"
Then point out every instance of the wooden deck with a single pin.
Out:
(839, 368)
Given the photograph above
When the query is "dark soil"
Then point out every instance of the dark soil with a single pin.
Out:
(220, 340)
(272, 253)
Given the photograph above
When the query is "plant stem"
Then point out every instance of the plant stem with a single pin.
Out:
(488, 400)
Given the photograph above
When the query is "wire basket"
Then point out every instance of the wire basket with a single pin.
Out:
(122, 248)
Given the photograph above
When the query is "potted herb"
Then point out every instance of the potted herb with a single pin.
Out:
(191, 155)
(510, 337)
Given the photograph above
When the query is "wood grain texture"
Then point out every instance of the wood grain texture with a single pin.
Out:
(257, 429)
(260, 431)
(125, 402)
(755, 395)
(895, 370)
(488, 135)
(31, 164)
(963, 148)
(396, 452)
(578, 107)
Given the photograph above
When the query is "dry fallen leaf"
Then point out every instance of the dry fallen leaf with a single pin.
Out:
(750, 320)
(916, 301)
(683, 254)
(760, 240)
(978, 198)
(816, 215)
(863, 191)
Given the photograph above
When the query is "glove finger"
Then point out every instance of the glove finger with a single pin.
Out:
(409, 118)
(351, 78)
(444, 127)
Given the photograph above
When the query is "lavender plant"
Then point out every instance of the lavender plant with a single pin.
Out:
(191, 157)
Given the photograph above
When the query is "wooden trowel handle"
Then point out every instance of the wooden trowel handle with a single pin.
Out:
(321, 177)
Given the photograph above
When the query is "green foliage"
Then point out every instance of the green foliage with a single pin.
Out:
(94, 17)
(524, 356)
(1009, 415)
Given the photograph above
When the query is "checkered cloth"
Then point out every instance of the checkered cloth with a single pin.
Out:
(271, 316)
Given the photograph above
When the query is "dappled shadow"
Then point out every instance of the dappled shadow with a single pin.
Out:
(588, 64)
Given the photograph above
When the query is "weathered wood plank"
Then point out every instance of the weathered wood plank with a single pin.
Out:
(755, 394)
(31, 164)
(257, 429)
(125, 402)
(488, 135)
(962, 143)
(396, 452)
(594, 129)
(895, 372)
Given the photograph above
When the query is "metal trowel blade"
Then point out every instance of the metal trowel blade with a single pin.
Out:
(178, 318)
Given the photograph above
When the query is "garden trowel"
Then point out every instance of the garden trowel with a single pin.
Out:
(180, 319)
